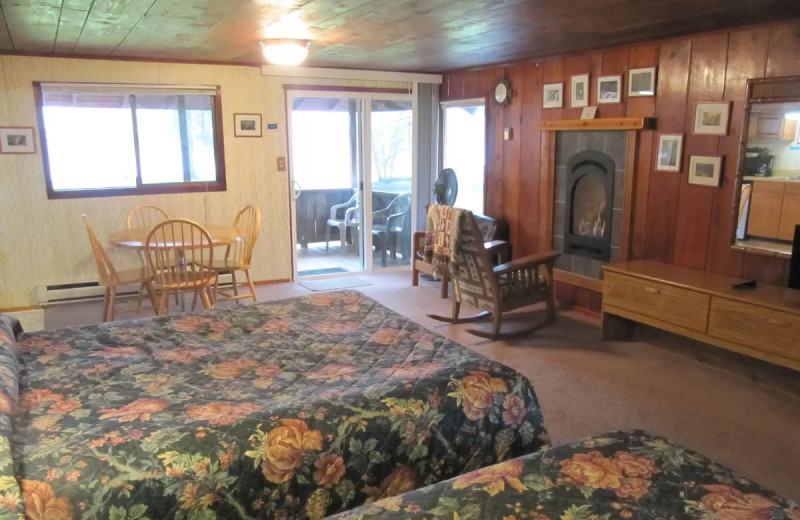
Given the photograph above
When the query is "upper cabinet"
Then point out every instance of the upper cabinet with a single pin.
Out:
(772, 125)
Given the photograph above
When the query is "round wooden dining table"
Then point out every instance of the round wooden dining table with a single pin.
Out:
(135, 238)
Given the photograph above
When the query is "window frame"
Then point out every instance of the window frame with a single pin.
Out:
(465, 103)
(220, 184)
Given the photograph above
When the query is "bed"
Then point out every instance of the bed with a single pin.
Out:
(616, 475)
(298, 408)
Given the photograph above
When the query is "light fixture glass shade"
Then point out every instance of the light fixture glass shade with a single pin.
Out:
(285, 51)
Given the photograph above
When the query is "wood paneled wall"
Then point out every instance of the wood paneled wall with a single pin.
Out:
(674, 222)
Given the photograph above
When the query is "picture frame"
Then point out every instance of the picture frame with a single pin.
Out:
(247, 125)
(609, 89)
(579, 91)
(711, 118)
(642, 82)
(553, 95)
(669, 156)
(705, 170)
(17, 139)
(588, 112)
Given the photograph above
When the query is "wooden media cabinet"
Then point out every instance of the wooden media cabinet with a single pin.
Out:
(763, 322)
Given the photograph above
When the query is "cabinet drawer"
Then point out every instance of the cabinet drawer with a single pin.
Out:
(762, 329)
(663, 302)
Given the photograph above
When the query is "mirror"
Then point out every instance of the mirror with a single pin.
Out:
(769, 168)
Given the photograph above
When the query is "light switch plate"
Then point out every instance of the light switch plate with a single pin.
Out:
(281, 164)
(508, 134)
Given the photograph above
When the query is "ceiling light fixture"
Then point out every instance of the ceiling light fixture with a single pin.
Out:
(285, 51)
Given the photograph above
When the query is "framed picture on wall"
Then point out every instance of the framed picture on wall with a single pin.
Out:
(579, 91)
(247, 125)
(711, 118)
(705, 171)
(670, 147)
(17, 140)
(553, 95)
(642, 82)
(609, 89)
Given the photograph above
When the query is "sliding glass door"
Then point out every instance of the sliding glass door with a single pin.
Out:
(351, 166)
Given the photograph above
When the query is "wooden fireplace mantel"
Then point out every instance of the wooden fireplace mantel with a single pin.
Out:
(609, 123)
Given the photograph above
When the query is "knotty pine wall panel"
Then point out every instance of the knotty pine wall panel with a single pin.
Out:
(673, 221)
(44, 241)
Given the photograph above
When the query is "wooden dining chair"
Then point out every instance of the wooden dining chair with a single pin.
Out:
(145, 216)
(180, 253)
(239, 254)
(110, 278)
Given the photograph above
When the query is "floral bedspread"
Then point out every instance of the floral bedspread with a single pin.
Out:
(291, 409)
(617, 475)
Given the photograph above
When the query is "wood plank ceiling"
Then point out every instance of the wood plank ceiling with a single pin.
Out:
(410, 35)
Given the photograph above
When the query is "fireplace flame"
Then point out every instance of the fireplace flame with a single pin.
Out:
(593, 223)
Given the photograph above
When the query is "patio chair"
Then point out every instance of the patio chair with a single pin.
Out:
(350, 218)
(496, 290)
(391, 223)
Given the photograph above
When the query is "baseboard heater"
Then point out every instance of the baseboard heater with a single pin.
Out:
(88, 291)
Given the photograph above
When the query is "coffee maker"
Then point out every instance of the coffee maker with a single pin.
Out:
(758, 162)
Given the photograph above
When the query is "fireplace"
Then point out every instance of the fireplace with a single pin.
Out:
(589, 204)
(588, 199)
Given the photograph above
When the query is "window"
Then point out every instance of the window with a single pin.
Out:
(464, 149)
(102, 140)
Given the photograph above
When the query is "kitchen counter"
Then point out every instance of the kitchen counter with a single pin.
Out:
(790, 176)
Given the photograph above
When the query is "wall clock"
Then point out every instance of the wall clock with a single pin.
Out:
(502, 91)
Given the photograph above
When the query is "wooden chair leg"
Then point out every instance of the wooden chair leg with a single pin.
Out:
(235, 283)
(163, 304)
(151, 294)
(456, 309)
(106, 296)
(250, 283)
(414, 275)
(443, 289)
(112, 296)
(194, 300)
(496, 323)
(204, 296)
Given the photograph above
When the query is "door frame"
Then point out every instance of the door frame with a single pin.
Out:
(365, 240)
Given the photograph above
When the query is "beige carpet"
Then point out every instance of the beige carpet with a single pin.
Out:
(587, 387)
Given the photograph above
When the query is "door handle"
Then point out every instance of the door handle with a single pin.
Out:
(298, 190)
(652, 290)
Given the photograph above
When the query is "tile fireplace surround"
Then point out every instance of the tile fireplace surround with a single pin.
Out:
(612, 143)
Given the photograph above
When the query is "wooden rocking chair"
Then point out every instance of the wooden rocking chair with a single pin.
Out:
(499, 289)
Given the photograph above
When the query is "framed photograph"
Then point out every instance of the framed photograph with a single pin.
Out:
(588, 112)
(642, 82)
(711, 118)
(247, 125)
(579, 91)
(553, 95)
(609, 89)
(668, 158)
(17, 140)
(704, 171)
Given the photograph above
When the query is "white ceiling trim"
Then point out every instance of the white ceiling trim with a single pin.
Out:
(365, 75)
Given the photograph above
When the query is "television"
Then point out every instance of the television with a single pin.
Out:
(794, 265)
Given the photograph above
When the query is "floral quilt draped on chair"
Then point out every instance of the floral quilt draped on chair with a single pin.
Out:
(617, 475)
(290, 409)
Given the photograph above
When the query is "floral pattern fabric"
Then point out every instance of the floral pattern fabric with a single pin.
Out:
(291, 409)
(617, 475)
(10, 492)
